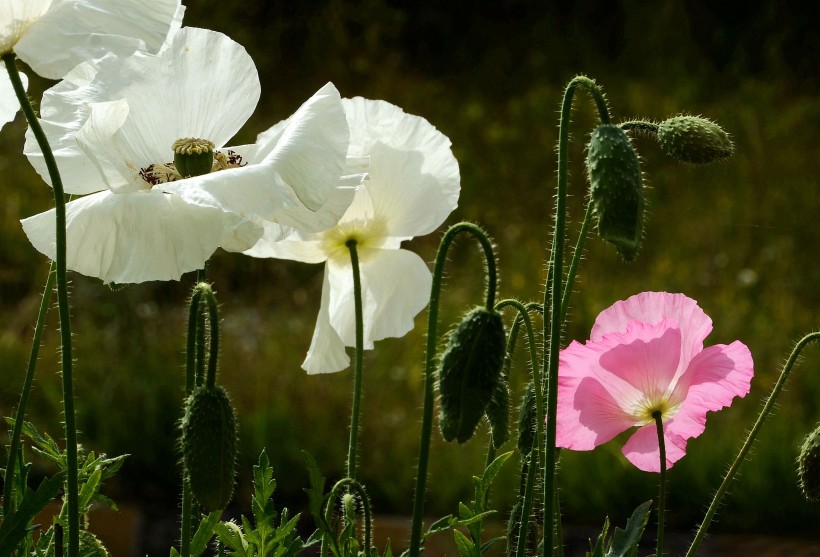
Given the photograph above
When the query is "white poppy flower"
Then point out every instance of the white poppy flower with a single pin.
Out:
(115, 126)
(53, 36)
(412, 186)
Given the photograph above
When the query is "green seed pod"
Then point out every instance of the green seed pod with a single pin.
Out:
(209, 446)
(616, 189)
(193, 157)
(808, 466)
(694, 139)
(470, 371)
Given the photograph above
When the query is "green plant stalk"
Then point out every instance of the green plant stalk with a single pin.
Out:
(577, 255)
(553, 298)
(351, 484)
(662, 483)
(20, 416)
(72, 481)
(750, 439)
(430, 358)
(353, 444)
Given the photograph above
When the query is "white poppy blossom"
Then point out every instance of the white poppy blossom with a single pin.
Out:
(413, 185)
(114, 126)
(53, 36)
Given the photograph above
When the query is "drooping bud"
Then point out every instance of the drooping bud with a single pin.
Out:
(616, 189)
(694, 139)
(808, 466)
(193, 157)
(209, 446)
(470, 371)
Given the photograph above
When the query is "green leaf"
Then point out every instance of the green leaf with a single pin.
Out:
(440, 525)
(483, 485)
(316, 493)
(89, 488)
(625, 542)
(466, 548)
(15, 526)
(230, 534)
(204, 533)
(598, 548)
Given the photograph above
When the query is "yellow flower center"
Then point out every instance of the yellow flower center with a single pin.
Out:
(192, 157)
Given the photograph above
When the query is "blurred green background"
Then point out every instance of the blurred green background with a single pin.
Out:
(739, 236)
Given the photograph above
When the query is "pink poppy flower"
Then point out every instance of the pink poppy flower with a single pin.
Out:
(646, 355)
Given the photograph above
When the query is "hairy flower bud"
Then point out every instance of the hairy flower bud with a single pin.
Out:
(193, 157)
(470, 371)
(616, 189)
(808, 466)
(209, 446)
(694, 139)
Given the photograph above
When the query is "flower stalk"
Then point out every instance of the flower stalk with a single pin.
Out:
(554, 297)
(430, 358)
(353, 445)
(662, 484)
(72, 487)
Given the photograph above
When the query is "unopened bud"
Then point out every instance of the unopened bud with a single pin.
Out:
(470, 372)
(616, 189)
(694, 139)
(808, 466)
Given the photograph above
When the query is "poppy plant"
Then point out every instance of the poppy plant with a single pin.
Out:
(645, 360)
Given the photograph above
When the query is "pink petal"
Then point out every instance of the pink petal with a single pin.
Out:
(650, 308)
(643, 451)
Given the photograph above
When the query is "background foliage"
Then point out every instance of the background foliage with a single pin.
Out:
(738, 236)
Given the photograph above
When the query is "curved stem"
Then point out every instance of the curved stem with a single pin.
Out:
(72, 481)
(750, 439)
(20, 415)
(352, 484)
(577, 255)
(641, 127)
(213, 340)
(353, 444)
(430, 358)
(553, 298)
(662, 486)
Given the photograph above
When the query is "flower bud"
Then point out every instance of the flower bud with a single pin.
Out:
(808, 466)
(526, 421)
(498, 413)
(616, 189)
(694, 139)
(470, 371)
(193, 157)
(209, 446)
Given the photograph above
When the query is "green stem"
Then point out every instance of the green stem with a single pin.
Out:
(353, 445)
(662, 487)
(350, 484)
(20, 416)
(750, 439)
(72, 487)
(640, 127)
(553, 327)
(430, 358)
(577, 255)
(190, 384)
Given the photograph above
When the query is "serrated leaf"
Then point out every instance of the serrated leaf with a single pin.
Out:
(440, 525)
(89, 488)
(483, 485)
(316, 493)
(598, 548)
(625, 542)
(204, 533)
(230, 535)
(15, 525)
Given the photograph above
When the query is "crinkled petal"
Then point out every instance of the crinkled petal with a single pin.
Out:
(73, 31)
(327, 351)
(298, 183)
(184, 92)
(414, 180)
(650, 308)
(136, 237)
(9, 105)
(395, 288)
(643, 451)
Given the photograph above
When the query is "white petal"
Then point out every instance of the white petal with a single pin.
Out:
(414, 178)
(73, 31)
(275, 242)
(9, 105)
(16, 17)
(134, 237)
(204, 85)
(63, 111)
(327, 352)
(395, 288)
